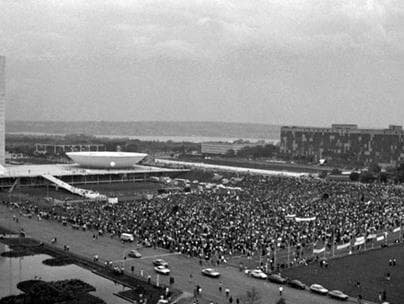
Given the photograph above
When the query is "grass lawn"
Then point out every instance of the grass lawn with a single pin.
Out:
(369, 268)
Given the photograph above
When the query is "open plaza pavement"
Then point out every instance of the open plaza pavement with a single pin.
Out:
(186, 271)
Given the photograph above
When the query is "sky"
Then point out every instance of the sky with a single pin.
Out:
(300, 62)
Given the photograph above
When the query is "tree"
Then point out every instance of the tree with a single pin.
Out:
(335, 171)
(354, 176)
(400, 173)
(367, 177)
(374, 168)
(230, 153)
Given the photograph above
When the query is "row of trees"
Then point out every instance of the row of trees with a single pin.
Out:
(374, 173)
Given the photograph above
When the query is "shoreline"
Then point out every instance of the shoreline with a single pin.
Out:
(159, 138)
(29, 246)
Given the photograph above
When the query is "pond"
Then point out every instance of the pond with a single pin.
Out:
(15, 270)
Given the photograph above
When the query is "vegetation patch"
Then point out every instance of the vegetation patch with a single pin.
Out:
(65, 291)
(58, 261)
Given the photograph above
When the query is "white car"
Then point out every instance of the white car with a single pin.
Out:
(210, 272)
(338, 294)
(317, 288)
(162, 270)
(257, 273)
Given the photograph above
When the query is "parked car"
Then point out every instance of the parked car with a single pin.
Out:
(134, 254)
(257, 273)
(162, 270)
(277, 278)
(297, 284)
(338, 294)
(210, 272)
(317, 288)
(160, 262)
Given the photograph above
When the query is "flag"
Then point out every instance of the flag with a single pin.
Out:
(343, 246)
(397, 229)
(380, 238)
(320, 250)
(359, 241)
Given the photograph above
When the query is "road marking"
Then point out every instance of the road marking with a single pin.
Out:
(160, 255)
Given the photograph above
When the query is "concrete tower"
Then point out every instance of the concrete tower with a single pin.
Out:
(2, 109)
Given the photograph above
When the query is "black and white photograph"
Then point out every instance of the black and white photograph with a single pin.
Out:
(201, 151)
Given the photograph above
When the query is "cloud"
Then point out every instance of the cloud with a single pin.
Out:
(244, 58)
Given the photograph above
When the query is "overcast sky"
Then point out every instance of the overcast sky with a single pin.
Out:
(302, 62)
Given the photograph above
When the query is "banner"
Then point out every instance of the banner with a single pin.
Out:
(359, 241)
(320, 250)
(371, 236)
(380, 238)
(343, 246)
(397, 229)
(305, 219)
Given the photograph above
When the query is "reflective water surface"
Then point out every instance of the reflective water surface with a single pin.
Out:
(14, 270)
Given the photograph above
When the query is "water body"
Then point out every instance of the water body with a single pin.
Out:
(14, 270)
(194, 131)
(193, 139)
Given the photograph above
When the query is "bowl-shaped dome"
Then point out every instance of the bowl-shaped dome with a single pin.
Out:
(106, 160)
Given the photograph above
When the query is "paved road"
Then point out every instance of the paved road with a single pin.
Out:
(229, 168)
(182, 267)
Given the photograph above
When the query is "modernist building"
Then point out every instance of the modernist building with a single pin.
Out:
(2, 109)
(344, 141)
(221, 148)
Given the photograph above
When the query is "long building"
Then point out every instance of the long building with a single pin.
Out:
(221, 148)
(2, 108)
(345, 142)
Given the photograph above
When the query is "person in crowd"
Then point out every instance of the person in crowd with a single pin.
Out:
(257, 218)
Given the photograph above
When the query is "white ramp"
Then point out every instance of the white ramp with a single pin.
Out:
(82, 192)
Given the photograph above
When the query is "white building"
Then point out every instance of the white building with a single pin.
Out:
(2, 108)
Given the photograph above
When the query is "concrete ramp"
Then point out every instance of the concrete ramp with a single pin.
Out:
(82, 192)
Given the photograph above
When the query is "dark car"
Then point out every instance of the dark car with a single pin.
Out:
(160, 262)
(297, 284)
(134, 254)
(277, 278)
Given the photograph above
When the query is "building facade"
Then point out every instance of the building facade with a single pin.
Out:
(346, 142)
(2, 108)
(221, 148)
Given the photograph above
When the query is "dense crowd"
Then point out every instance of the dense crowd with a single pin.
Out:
(260, 217)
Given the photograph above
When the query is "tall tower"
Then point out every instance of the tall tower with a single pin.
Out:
(2, 109)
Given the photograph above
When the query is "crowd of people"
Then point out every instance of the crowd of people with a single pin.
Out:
(257, 219)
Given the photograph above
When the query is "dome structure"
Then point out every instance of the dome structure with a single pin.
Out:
(106, 160)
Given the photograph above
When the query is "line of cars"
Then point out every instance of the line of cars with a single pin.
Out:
(161, 267)
(279, 279)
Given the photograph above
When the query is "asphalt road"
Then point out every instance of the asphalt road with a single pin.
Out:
(186, 271)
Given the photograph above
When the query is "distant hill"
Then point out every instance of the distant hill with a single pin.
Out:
(148, 128)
